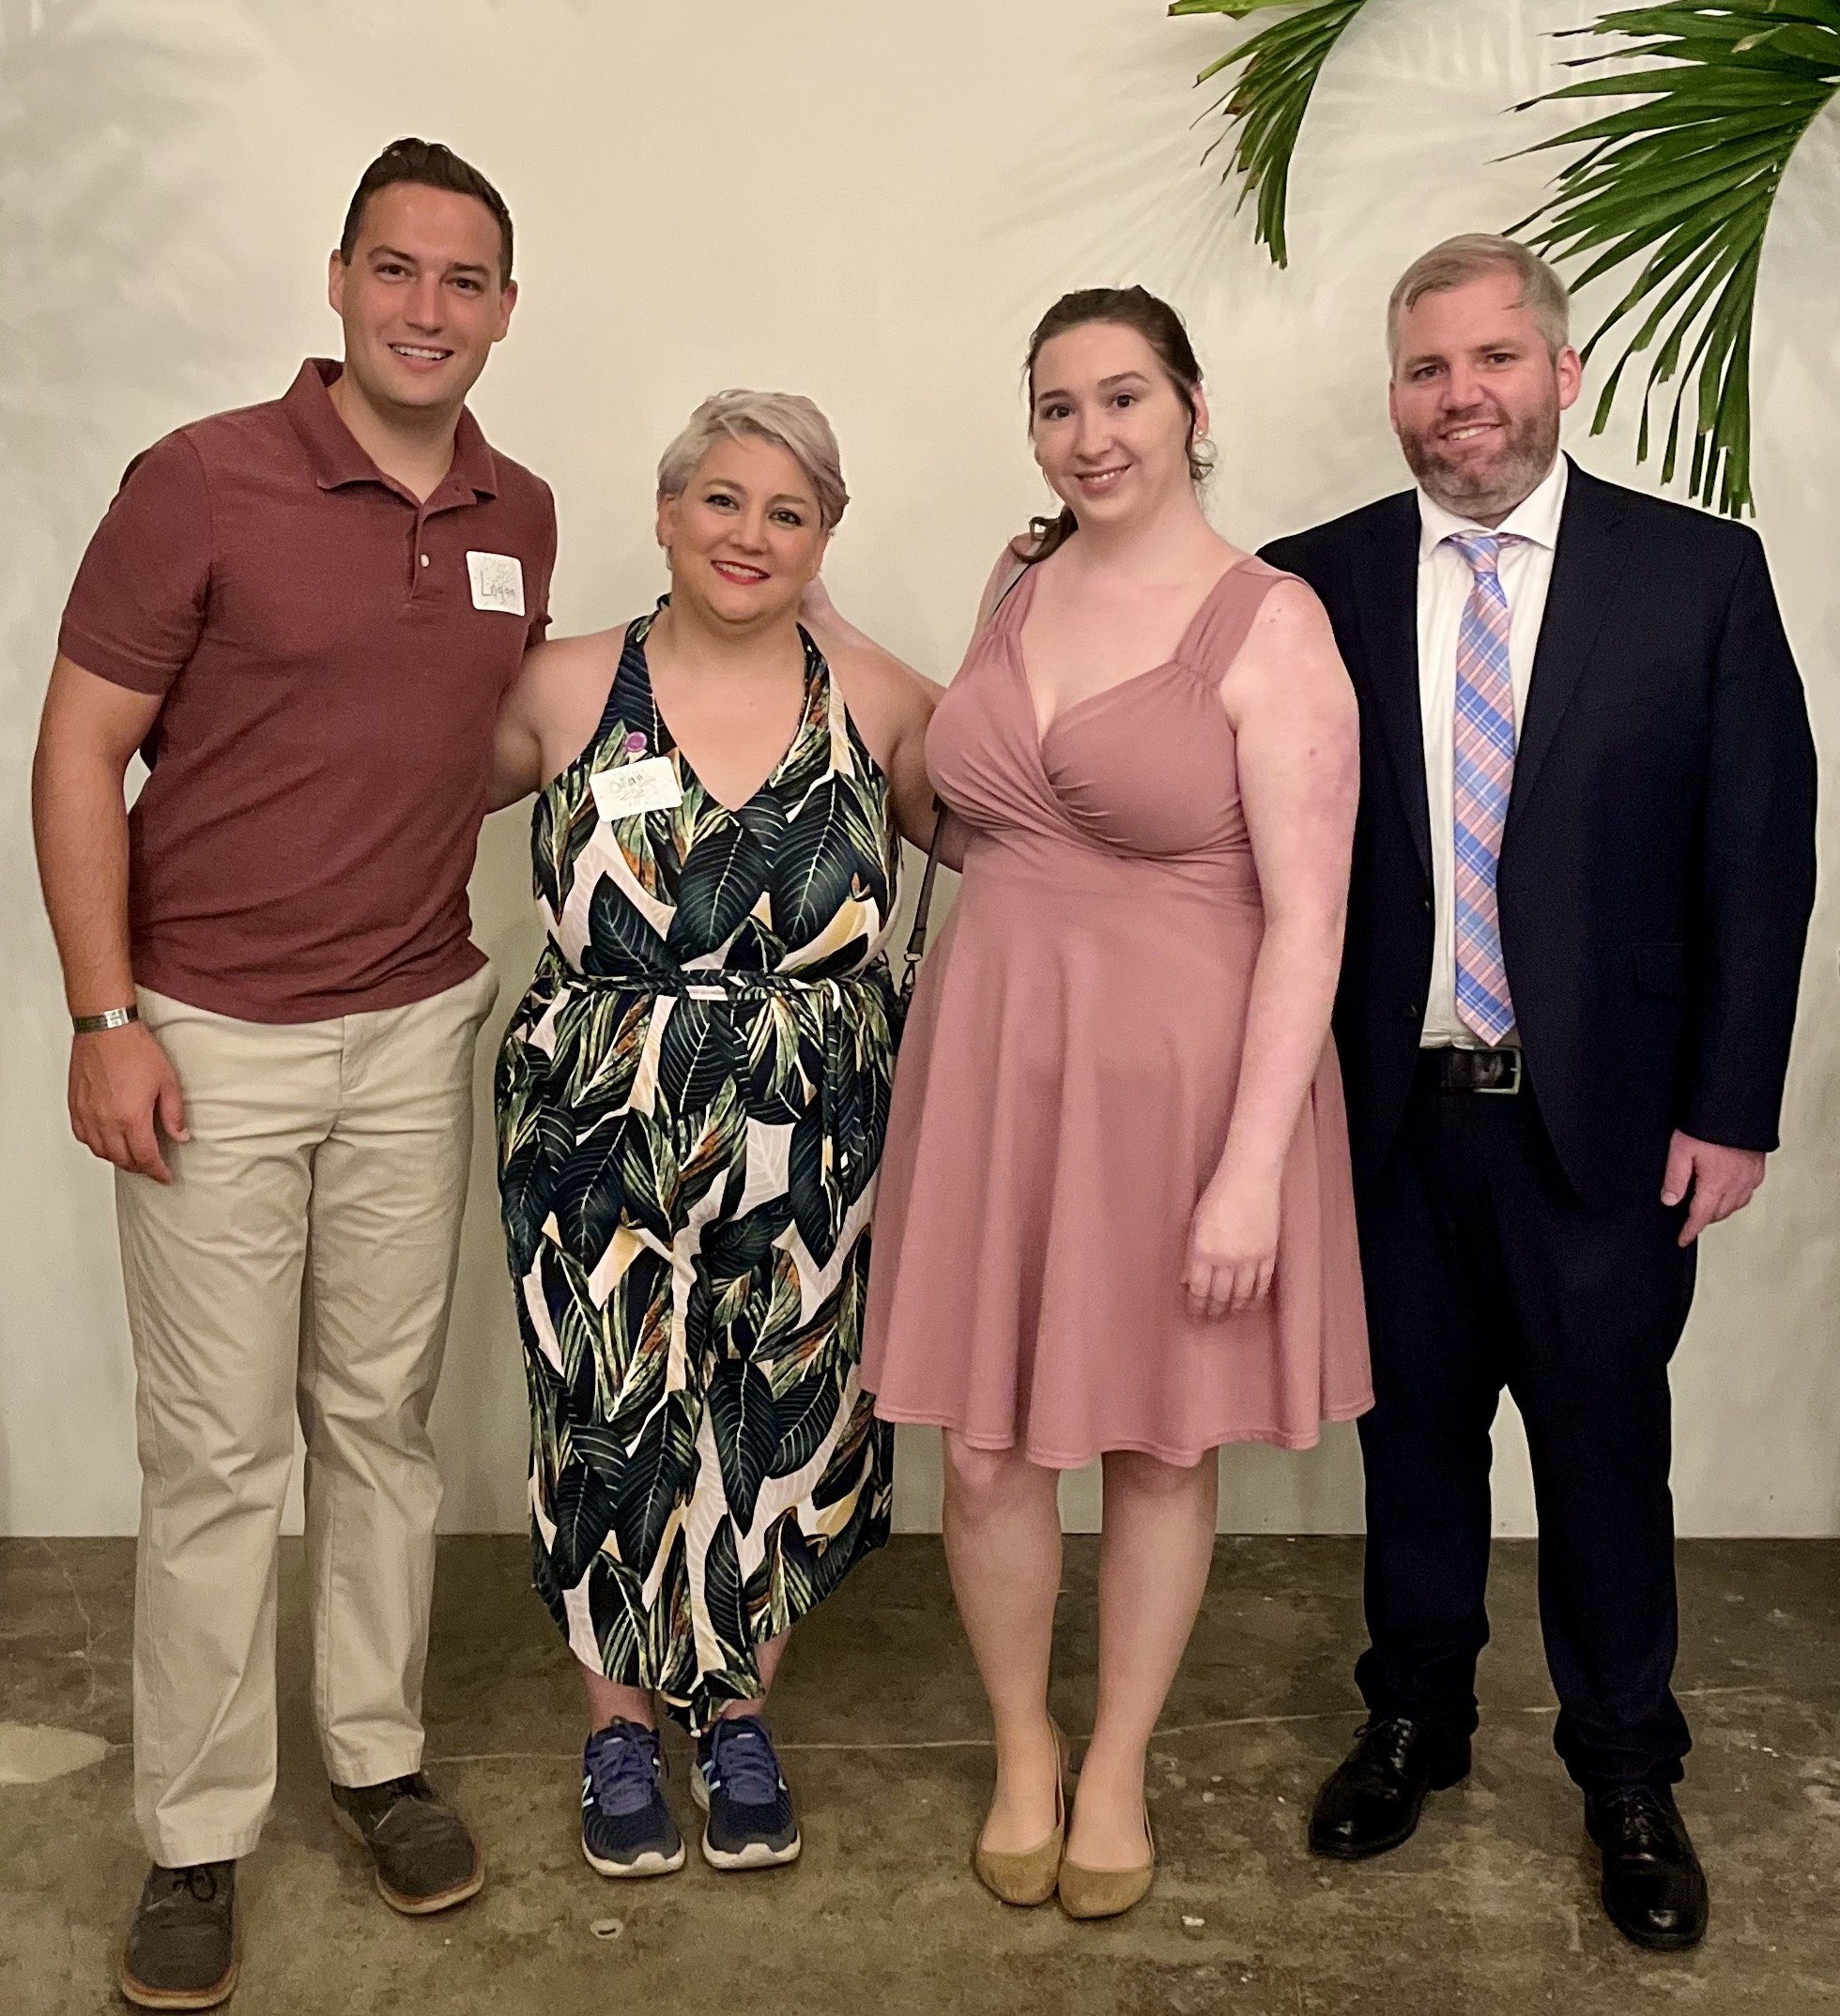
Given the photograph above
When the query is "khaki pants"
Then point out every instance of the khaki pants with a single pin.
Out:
(303, 1259)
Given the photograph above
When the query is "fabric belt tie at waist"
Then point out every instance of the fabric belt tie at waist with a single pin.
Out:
(716, 985)
(1477, 1071)
(743, 990)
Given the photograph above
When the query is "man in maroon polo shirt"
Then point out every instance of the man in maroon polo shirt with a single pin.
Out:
(305, 613)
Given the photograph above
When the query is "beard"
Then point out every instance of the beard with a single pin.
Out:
(1487, 487)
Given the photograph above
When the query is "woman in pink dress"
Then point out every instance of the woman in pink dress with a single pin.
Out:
(1115, 1216)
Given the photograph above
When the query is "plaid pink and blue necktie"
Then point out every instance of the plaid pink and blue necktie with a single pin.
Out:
(1483, 778)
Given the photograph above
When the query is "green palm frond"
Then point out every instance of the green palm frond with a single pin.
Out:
(1686, 181)
(1264, 110)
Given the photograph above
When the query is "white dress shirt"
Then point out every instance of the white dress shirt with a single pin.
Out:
(1444, 584)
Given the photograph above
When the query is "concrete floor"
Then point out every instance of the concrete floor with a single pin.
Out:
(1492, 1908)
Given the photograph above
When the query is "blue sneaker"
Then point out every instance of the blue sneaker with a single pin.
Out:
(626, 1827)
(738, 1785)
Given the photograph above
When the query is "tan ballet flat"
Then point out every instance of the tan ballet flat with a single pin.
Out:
(1028, 1877)
(1104, 1893)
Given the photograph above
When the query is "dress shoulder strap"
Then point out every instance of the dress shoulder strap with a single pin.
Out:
(1225, 620)
(628, 707)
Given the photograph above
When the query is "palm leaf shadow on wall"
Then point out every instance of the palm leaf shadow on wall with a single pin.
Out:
(1684, 181)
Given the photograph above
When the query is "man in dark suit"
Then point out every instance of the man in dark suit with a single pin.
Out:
(1582, 872)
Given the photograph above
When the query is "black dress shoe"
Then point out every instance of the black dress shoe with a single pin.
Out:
(1371, 1801)
(1654, 1889)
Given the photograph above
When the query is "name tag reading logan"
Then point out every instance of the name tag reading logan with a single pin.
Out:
(498, 582)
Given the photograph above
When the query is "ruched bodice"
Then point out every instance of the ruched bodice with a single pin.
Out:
(1095, 776)
(1068, 1078)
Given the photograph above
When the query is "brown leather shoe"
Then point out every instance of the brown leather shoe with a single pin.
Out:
(181, 1950)
(425, 1858)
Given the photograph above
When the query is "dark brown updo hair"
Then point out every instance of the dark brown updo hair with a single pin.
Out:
(1163, 329)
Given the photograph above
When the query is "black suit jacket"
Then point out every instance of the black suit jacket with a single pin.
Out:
(1657, 864)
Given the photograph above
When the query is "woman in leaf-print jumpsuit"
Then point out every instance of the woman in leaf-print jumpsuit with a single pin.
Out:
(692, 1098)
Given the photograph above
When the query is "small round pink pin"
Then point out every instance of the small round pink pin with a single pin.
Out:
(635, 743)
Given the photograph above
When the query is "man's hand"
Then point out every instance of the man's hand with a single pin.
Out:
(1722, 1180)
(121, 1083)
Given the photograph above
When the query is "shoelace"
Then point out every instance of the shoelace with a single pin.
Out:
(622, 1769)
(200, 1879)
(376, 1805)
(744, 1763)
(1639, 1820)
(1386, 1745)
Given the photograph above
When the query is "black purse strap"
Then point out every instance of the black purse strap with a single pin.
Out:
(923, 910)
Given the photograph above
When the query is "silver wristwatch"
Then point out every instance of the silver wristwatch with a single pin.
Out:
(90, 1025)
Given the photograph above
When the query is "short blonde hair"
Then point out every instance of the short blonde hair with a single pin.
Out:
(1474, 255)
(786, 419)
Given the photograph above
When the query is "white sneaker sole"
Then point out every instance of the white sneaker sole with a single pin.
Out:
(649, 1864)
(756, 1855)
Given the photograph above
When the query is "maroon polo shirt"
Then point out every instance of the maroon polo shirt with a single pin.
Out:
(331, 654)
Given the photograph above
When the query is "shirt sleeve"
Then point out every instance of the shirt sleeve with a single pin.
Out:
(539, 616)
(137, 606)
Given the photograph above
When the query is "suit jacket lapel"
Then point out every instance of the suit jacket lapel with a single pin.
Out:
(1585, 564)
(1387, 599)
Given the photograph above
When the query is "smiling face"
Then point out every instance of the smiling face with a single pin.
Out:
(745, 536)
(1111, 427)
(422, 299)
(1476, 397)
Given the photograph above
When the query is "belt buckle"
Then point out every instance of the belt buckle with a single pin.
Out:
(1513, 1084)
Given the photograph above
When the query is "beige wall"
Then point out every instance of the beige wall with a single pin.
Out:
(870, 204)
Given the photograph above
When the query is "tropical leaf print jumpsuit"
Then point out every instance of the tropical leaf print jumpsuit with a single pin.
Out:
(691, 1103)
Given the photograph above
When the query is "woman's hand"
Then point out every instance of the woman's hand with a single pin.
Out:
(817, 611)
(1232, 1247)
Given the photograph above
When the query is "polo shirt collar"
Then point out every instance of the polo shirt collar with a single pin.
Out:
(337, 459)
(1535, 518)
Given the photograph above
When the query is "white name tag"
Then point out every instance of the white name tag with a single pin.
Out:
(634, 787)
(497, 580)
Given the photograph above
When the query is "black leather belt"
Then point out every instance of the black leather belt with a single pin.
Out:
(1479, 1071)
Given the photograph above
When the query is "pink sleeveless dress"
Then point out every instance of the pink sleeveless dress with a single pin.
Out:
(1067, 1079)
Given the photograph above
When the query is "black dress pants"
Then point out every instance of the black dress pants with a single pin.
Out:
(1483, 1269)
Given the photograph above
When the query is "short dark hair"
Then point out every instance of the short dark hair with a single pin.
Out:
(431, 165)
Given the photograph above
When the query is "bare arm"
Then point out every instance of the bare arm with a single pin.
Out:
(893, 705)
(516, 737)
(890, 703)
(120, 1078)
(840, 640)
(1293, 713)
(1003, 576)
(550, 712)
